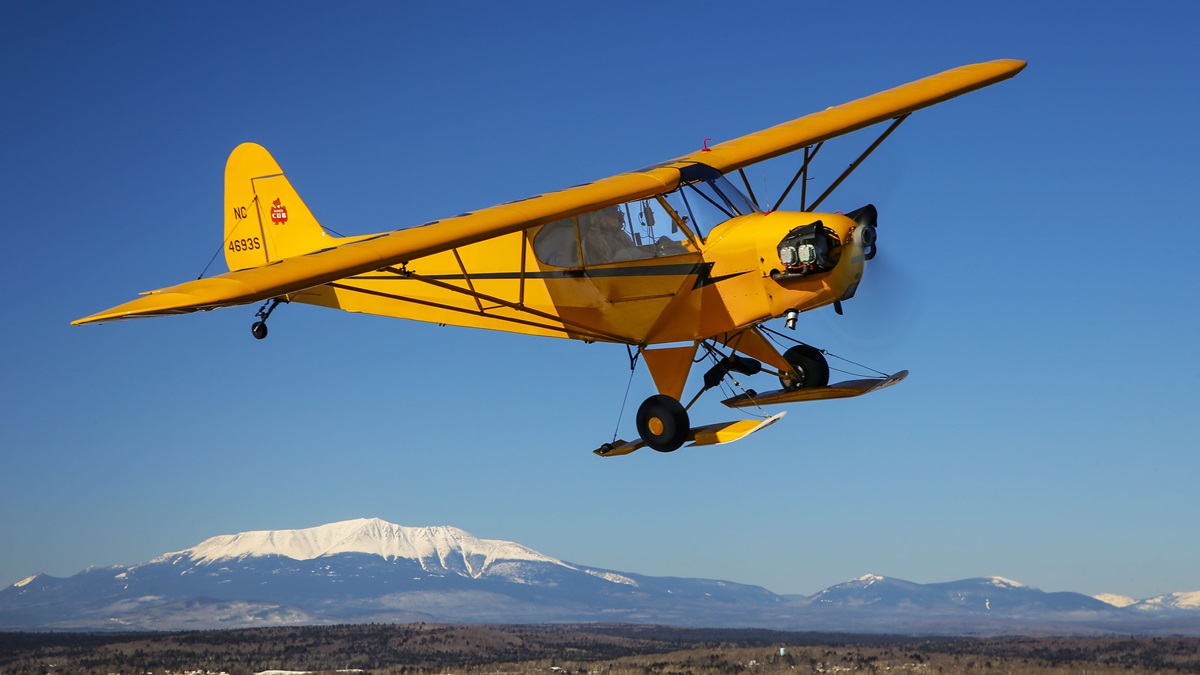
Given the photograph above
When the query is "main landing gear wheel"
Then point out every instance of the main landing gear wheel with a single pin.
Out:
(259, 330)
(812, 366)
(663, 423)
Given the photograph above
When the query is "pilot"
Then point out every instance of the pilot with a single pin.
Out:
(605, 239)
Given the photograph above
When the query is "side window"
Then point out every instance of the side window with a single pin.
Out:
(632, 231)
(654, 229)
(556, 244)
(606, 237)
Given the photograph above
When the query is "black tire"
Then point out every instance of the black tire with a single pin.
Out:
(662, 423)
(812, 366)
(259, 330)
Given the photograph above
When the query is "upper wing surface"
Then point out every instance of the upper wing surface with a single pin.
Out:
(848, 117)
(369, 253)
(374, 252)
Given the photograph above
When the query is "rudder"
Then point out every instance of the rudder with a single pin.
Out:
(265, 219)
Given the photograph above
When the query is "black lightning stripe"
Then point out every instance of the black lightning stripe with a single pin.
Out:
(703, 272)
(705, 278)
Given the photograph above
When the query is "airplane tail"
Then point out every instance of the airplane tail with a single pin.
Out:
(265, 219)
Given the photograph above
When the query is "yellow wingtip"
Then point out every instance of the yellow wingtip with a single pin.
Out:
(152, 304)
(193, 296)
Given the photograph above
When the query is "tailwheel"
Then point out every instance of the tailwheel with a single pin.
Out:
(663, 423)
(259, 328)
(809, 364)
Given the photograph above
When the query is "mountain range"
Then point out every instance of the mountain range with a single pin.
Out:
(369, 570)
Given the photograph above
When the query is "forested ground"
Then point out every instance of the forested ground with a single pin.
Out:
(614, 649)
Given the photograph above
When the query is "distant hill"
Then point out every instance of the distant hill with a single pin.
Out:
(369, 570)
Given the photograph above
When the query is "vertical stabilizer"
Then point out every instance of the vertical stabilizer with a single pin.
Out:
(265, 219)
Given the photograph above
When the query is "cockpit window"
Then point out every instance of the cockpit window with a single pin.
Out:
(671, 224)
(636, 230)
(557, 243)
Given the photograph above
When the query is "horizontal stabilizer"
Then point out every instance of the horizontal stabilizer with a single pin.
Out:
(845, 389)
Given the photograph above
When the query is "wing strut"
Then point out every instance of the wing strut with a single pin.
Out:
(451, 308)
(808, 157)
(854, 165)
(503, 303)
(749, 190)
(804, 185)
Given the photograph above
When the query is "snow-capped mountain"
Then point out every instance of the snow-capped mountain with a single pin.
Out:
(1115, 600)
(364, 570)
(983, 595)
(1172, 602)
(369, 570)
(446, 549)
(980, 605)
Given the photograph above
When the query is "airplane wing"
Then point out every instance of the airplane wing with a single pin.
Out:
(849, 117)
(369, 253)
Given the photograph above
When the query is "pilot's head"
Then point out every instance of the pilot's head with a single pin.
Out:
(610, 218)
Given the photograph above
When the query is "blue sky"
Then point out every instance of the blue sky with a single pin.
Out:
(1037, 276)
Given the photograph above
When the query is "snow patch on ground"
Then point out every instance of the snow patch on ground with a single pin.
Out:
(613, 577)
(1005, 583)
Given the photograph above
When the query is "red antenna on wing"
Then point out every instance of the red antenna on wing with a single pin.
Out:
(706, 148)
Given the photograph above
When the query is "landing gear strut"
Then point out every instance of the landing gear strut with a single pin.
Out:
(259, 328)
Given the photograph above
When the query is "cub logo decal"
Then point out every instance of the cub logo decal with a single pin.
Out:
(278, 213)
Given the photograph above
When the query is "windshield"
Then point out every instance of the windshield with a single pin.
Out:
(706, 204)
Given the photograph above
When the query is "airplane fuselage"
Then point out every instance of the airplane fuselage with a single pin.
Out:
(731, 280)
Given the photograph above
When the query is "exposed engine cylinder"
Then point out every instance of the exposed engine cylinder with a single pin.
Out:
(809, 249)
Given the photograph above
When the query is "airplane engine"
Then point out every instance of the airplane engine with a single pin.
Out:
(809, 249)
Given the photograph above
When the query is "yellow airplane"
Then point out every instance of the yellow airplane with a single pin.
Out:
(672, 256)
